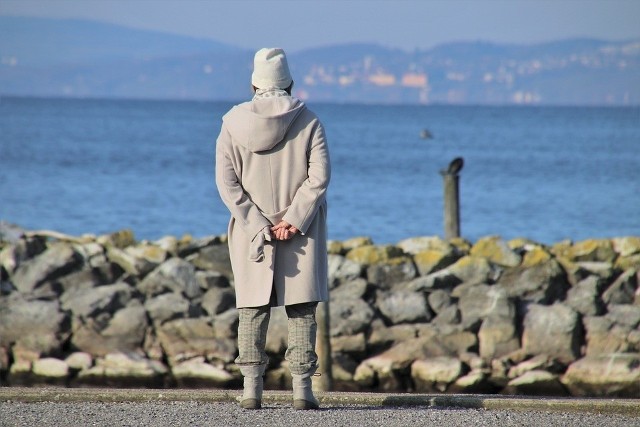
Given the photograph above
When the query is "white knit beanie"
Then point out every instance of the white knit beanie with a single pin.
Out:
(270, 69)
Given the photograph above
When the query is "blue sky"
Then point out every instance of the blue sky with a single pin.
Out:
(406, 24)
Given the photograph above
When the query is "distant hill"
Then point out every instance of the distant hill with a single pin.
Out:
(45, 57)
(47, 42)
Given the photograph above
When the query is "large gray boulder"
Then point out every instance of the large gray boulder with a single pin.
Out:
(578, 271)
(604, 336)
(93, 254)
(415, 245)
(356, 242)
(218, 300)
(607, 375)
(552, 330)
(434, 375)
(498, 336)
(23, 249)
(93, 301)
(431, 261)
(90, 277)
(448, 319)
(430, 253)
(468, 269)
(592, 250)
(386, 370)
(211, 279)
(403, 306)
(584, 296)
(124, 332)
(542, 283)
(480, 301)
(213, 258)
(128, 325)
(382, 336)
(473, 270)
(225, 325)
(536, 383)
(456, 342)
(184, 339)
(354, 345)
(130, 263)
(120, 239)
(439, 300)
(59, 259)
(169, 306)
(174, 275)
(349, 316)
(32, 325)
(497, 251)
(385, 275)
(356, 288)
(151, 254)
(370, 254)
(623, 289)
(624, 315)
(625, 246)
(188, 245)
(342, 270)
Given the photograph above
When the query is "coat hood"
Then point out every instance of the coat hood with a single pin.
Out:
(260, 124)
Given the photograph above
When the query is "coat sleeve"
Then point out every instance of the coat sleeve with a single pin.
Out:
(311, 194)
(246, 213)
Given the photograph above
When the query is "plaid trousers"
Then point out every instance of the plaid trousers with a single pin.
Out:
(301, 351)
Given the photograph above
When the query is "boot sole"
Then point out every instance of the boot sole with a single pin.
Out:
(251, 404)
(302, 404)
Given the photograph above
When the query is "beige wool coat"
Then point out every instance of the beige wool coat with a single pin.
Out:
(272, 164)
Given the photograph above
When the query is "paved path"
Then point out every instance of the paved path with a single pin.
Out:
(138, 407)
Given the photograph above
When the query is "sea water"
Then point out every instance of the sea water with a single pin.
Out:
(545, 173)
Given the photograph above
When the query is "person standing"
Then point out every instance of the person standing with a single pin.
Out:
(272, 173)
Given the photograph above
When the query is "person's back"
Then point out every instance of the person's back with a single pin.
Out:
(272, 172)
(270, 142)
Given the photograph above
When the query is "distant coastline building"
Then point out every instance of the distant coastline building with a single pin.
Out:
(418, 80)
(382, 79)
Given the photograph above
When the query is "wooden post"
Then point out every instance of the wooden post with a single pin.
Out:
(323, 346)
(452, 198)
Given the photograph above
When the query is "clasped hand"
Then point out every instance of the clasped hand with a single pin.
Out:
(283, 231)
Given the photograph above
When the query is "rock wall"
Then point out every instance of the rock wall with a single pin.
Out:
(425, 315)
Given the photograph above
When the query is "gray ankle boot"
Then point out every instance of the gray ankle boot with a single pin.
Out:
(253, 384)
(303, 397)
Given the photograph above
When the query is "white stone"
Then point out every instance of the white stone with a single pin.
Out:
(79, 360)
(437, 370)
(50, 367)
(198, 368)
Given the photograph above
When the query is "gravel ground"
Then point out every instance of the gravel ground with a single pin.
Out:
(229, 414)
